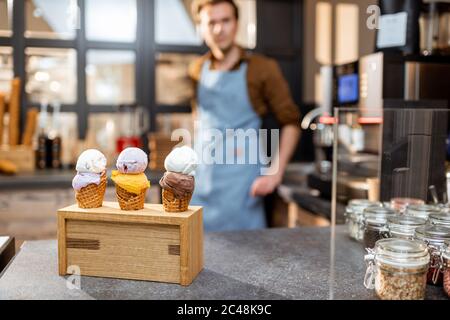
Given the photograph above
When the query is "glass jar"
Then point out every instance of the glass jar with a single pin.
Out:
(434, 237)
(397, 269)
(404, 226)
(354, 217)
(400, 204)
(446, 267)
(440, 219)
(375, 220)
(422, 210)
(445, 208)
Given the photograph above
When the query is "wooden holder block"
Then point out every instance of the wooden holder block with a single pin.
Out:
(148, 244)
(22, 156)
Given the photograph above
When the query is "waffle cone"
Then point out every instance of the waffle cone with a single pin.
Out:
(92, 195)
(129, 201)
(173, 204)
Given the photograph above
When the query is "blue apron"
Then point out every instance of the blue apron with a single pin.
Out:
(224, 189)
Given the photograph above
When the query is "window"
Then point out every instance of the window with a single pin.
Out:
(51, 19)
(102, 134)
(110, 76)
(185, 31)
(93, 55)
(51, 75)
(173, 86)
(167, 123)
(111, 20)
(5, 18)
(6, 69)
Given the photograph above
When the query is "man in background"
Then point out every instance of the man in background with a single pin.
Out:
(234, 90)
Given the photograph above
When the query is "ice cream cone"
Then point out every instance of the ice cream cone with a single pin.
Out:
(130, 201)
(92, 195)
(174, 204)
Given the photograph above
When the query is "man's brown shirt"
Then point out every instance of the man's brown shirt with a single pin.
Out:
(267, 87)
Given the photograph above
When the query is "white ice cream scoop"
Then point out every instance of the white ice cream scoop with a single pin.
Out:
(182, 160)
(92, 161)
(132, 160)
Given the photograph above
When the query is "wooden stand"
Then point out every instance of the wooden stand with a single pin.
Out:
(148, 244)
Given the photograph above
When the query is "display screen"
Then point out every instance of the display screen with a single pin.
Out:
(348, 88)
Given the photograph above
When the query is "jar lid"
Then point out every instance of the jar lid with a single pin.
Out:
(424, 209)
(440, 218)
(401, 203)
(377, 215)
(407, 221)
(357, 206)
(433, 233)
(402, 252)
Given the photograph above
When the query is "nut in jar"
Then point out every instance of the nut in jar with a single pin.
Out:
(446, 267)
(375, 221)
(397, 269)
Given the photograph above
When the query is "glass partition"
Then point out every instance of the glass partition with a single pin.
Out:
(387, 160)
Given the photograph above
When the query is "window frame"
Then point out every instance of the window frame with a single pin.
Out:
(146, 50)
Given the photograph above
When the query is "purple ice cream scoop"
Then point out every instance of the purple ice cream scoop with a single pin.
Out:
(132, 160)
(82, 180)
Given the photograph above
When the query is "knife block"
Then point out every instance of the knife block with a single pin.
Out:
(148, 244)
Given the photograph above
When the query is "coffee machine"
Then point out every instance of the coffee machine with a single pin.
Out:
(385, 76)
(414, 149)
(435, 28)
(409, 91)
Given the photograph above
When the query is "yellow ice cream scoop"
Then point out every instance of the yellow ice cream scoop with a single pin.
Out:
(133, 183)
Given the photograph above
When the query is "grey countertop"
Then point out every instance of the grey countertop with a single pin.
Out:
(48, 179)
(265, 264)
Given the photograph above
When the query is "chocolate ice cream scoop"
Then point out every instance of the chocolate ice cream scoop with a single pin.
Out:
(180, 184)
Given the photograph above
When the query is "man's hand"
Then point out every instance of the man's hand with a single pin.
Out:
(264, 185)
